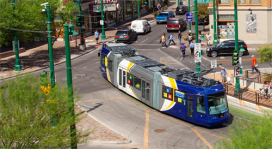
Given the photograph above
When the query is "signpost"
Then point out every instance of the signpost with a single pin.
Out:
(197, 52)
(213, 63)
(189, 17)
(238, 71)
(101, 22)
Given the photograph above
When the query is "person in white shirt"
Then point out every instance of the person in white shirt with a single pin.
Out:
(171, 38)
(208, 36)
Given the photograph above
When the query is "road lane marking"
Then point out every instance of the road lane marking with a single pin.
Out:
(146, 128)
(202, 138)
(102, 99)
(145, 40)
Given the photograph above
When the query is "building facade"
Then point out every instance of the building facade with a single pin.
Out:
(254, 20)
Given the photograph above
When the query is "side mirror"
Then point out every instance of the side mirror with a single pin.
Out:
(98, 54)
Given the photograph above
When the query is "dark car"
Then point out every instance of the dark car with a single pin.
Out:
(226, 47)
(181, 10)
(203, 20)
(177, 24)
(126, 36)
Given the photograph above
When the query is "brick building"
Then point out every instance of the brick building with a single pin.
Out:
(254, 20)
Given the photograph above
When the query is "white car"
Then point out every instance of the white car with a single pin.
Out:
(141, 26)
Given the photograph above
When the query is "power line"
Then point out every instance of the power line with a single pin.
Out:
(44, 32)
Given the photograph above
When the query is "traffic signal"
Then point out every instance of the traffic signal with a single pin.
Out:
(80, 21)
(235, 58)
(44, 79)
(193, 23)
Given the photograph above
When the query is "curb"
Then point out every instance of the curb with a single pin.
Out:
(107, 142)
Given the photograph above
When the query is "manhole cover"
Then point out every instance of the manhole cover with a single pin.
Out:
(159, 130)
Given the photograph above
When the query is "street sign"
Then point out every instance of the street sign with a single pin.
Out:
(203, 1)
(197, 52)
(101, 22)
(189, 17)
(237, 71)
(213, 63)
(13, 46)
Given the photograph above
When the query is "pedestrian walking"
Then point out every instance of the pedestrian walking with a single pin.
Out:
(199, 38)
(163, 39)
(183, 48)
(171, 39)
(223, 75)
(265, 87)
(208, 37)
(192, 47)
(254, 65)
(159, 6)
(190, 38)
(179, 37)
(96, 36)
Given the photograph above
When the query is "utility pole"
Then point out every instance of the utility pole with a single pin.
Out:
(103, 36)
(237, 90)
(196, 35)
(178, 2)
(50, 49)
(189, 9)
(70, 87)
(82, 45)
(17, 66)
(215, 42)
(139, 15)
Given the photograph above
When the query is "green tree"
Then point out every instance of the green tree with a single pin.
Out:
(31, 119)
(265, 54)
(249, 134)
(28, 15)
(202, 10)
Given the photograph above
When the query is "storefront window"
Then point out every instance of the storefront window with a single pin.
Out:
(129, 10)
(135, 9)
(255, 1)
(111, 17)
(242, 1)
(226, 30)
(224, 1)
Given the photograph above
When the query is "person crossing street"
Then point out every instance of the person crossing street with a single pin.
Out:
(179, 37)
(183, 48)
(192, 47)
(171, 38)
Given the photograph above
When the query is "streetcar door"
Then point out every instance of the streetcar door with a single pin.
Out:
(145, 91)
(190, 109)
(122, 79)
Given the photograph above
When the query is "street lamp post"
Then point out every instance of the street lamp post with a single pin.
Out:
(70, 87)
(103, 36)
(237, 90)
(82, 43)
(178, 2)
(50, 49)
(196, 35)
(215, 42)
(17, 66)
(189, 9)
(139, 12)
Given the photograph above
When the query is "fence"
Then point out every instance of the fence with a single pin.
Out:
(257, 97)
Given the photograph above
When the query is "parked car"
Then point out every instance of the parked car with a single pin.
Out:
(181, 10)
(126, 36)
(163, 16)
(226, 47)
(141, 26)
(203, 20)
(176, 24)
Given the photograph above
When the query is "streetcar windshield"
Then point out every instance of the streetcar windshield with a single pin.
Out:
(217, 103)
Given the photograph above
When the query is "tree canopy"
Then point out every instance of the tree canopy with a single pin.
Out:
(28, 16)
(265, 54)
(31, 119)
(202, 10)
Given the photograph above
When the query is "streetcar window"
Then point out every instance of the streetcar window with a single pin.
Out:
(137, 83)
(130, 79)
(147, 91)
(110, 64)
(167, 92)
(200, 105)
(102, 59)
(180, 97)
(120, 77)
(143, 88)
(217, 103)
(124, 78)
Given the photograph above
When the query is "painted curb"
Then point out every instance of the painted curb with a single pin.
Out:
(108, 142)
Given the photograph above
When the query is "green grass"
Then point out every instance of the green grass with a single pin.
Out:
(243, 114)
